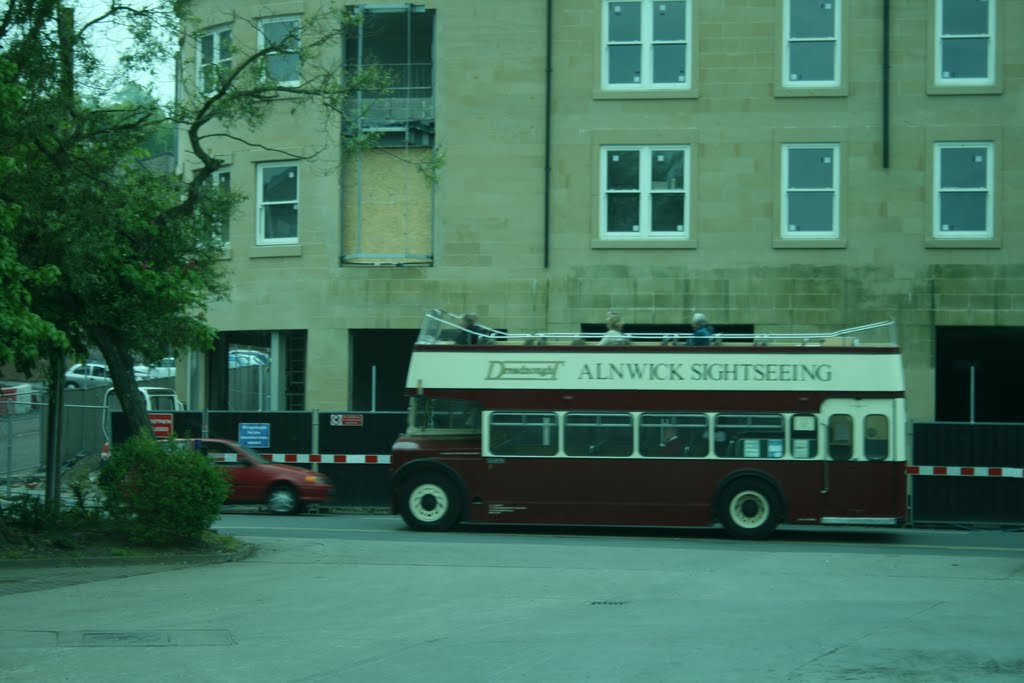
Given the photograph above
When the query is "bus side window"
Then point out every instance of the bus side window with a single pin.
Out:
(523, 434)
(755, 435)
(876, 437)
(678, 435)
(840, 437)
(804, 436)
(599, 434)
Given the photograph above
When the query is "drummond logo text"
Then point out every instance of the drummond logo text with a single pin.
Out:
(498, 369)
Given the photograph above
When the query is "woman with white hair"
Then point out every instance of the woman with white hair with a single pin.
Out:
(614, 335)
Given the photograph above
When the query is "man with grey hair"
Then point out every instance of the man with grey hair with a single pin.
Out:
(702, 331)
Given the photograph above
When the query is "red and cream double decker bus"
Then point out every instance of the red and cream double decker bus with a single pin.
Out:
(748, 431)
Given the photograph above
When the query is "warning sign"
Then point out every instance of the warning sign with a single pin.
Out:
(346, 420)
(163, 424)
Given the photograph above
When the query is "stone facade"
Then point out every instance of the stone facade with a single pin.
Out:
(495, 249)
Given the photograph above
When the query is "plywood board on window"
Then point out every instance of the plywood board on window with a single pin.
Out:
(387, 207)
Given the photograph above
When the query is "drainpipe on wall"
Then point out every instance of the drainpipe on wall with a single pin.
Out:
(885, 84)
(547, 139)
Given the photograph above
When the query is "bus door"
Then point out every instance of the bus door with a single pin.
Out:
(862, 472)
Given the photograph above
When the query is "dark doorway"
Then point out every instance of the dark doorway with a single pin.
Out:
(993, 355)
(380, 363)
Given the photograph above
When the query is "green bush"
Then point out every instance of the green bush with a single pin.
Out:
(27, 522)
(163, 492)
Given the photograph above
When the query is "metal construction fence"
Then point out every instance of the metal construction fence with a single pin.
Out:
(967, 473)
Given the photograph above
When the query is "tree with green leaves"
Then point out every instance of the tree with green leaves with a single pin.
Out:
(24, 335)
(124, 258)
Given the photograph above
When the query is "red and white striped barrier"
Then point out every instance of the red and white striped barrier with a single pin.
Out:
(944, 471)
(309, 458)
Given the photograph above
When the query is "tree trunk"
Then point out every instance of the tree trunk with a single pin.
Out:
(122, 373)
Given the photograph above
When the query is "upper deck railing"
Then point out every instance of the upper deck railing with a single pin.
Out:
(442, 327)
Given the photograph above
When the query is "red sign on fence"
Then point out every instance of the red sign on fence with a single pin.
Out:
(343, 420)
(163, 424)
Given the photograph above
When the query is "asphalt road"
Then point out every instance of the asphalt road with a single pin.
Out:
(958, 541)
(361, 598)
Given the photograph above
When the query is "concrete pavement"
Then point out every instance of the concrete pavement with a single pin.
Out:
(421, 607)
(25, 576)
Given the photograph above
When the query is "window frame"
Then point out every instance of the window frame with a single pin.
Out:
(218, 179)
(646, 43)
(784, 167)
(732, 434)
(216, 33)
(809, 436)
(938, 79)
(598, 430)
(840, 439)
(670, 434)
(261, 44)
(509, 420)
(646, 193)
(937, 231)
(867, 443)
(787, 41)
(261, 238)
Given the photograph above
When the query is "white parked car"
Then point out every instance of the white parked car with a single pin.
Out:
(243, 358)
(87, 375)
(165, 367)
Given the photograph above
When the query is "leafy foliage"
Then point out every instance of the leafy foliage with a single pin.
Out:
(98, 249)
(162, 491)
(22, 331)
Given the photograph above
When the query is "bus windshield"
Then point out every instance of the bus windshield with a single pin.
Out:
(427, 414)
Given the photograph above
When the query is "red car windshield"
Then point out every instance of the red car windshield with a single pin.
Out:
(258, 457)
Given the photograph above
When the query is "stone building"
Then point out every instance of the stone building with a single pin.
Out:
(778, 165)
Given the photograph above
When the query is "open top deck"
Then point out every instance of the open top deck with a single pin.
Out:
(442, 327)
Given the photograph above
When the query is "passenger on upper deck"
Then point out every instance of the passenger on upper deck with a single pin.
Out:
(470, 332)
(702, 331)
(614, 335)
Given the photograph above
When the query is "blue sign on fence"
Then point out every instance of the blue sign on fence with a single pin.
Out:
(254, 434)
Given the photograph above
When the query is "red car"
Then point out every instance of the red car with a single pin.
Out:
(284, 489)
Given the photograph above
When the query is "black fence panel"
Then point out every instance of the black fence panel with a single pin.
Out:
(968, 500)
(359, 485)
(360, 433)
(962, 444)
(290, 432)
(956, 498)
(188, 425)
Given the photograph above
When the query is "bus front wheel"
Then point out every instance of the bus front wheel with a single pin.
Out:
(749, 508)
(430, 502)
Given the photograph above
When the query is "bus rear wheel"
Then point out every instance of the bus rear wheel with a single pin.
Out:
(430, 502)
(749, 509)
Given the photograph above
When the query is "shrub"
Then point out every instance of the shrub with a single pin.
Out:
(163, 492)
(28, 513)
(27, 522)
